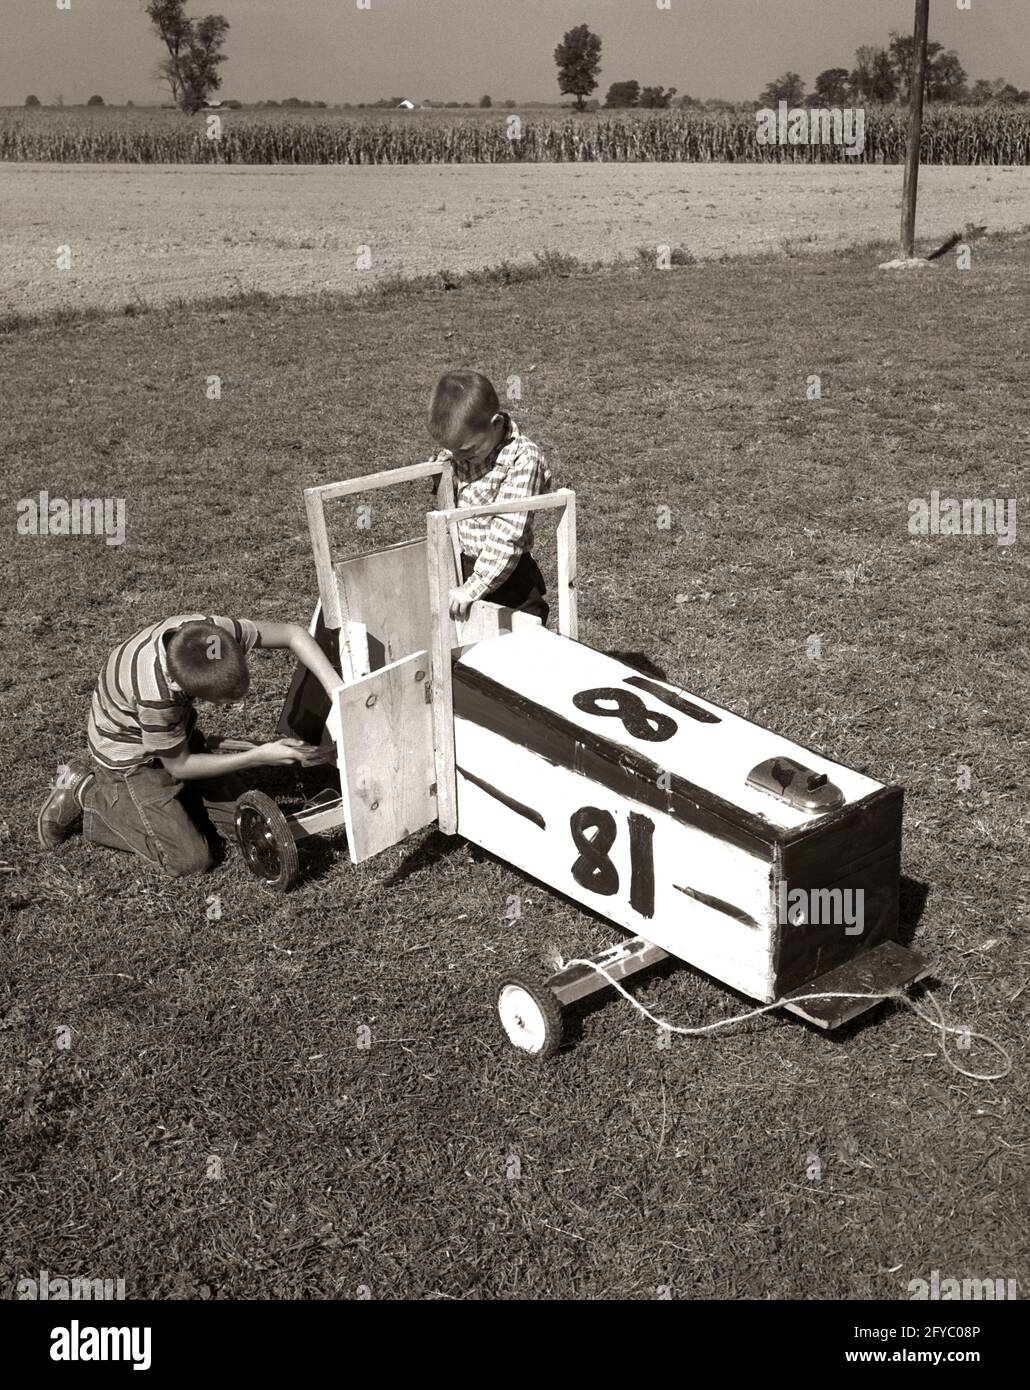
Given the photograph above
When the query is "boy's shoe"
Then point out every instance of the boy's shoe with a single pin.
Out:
(62, 810)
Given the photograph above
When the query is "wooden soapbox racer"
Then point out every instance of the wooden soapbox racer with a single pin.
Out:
(704, 836)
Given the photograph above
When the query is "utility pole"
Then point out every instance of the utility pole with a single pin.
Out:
(915, 129)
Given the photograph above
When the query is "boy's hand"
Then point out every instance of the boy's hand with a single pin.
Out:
(283, 750)
(460, 603)
(311, 755)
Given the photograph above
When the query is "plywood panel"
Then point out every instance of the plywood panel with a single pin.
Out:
(386, 592)
(382, 724)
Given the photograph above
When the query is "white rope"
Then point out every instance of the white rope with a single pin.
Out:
(899, 995)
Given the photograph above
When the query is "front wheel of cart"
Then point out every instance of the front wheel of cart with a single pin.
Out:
(531, 1017)
(266, 840)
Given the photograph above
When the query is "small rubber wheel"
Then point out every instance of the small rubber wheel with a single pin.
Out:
(531, 1017)
(266, 840)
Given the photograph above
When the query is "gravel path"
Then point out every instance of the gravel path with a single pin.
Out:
(163, 232)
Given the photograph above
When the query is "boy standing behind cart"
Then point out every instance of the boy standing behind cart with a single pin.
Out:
(493, 462)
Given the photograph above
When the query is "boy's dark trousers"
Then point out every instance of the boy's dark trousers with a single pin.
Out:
(166, 821)
(524, 588)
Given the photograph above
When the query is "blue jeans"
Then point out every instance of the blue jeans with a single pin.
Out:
(167, 822)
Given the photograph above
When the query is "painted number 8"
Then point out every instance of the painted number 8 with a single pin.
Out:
(630, 709)
(595, 871)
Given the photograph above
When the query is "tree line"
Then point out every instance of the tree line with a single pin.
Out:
(884, 75)
(193, 58)
(878, 75)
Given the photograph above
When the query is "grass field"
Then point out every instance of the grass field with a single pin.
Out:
(951, 135)
(214, 1129)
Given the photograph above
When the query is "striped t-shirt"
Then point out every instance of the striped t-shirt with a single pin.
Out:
(138, 712)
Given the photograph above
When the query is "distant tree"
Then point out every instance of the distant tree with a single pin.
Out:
(873, 77)
(293, 101)
(130, 103)
(623, 94)
(831, 87)
(578, 57)
(592, 105)
(510, 103)
(720, 104)
(193, 46)
(95, 101)
(656, 98)
(33, 101)
(983, 91)
(946, 80)
(485, 102)
(688, 103)
(789, 88)
(902, 50)
(275, 103)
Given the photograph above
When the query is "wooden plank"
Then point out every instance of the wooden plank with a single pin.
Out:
(370, 482)
(445, 496)
(568, 601)
(619, 963)
(487, 620)
(445, 491)
(315, 820)
(327, 591)
(545, 502)
(385, 592)
(383, 729)
(441, 575)
(886, 967)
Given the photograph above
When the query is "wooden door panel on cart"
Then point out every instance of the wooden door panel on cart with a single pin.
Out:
(383, 729)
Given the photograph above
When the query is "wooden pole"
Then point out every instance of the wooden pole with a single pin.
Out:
(915, 129)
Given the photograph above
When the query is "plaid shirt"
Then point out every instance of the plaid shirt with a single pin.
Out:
(515, 469)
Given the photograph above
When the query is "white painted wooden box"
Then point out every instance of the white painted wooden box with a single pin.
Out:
(631, 797)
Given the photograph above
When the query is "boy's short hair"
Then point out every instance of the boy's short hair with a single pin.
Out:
(208, 662)
(462, 401)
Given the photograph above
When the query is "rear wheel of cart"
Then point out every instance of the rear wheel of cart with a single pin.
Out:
(266, 840)
(531, 1017)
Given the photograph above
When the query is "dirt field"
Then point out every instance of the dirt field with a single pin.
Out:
(159, 233)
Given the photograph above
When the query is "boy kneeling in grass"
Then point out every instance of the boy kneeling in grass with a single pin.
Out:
(493, 462)
(155, 786)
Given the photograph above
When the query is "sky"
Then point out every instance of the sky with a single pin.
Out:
(330, 50)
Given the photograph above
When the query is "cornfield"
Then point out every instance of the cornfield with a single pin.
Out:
(951, 135)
